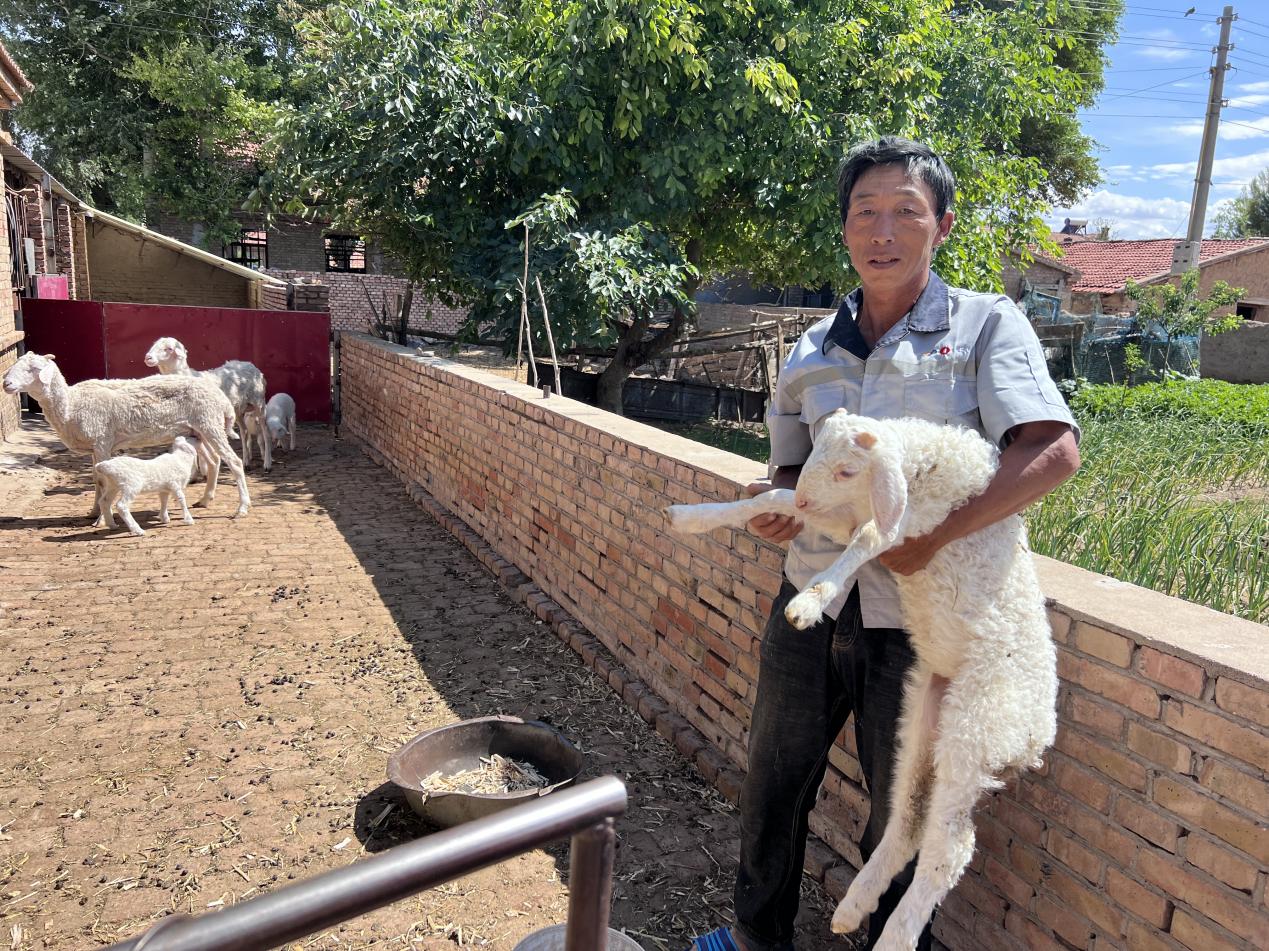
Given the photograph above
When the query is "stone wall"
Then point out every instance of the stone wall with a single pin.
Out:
(1146, 827)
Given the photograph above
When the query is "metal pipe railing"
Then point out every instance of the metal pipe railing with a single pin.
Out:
(586, 812)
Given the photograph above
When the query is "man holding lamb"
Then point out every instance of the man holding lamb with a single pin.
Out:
(901, 344)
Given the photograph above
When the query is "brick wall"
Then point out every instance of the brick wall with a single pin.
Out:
(350, 309)
(33, 209)
(79, 228)
(64, 239)
(126, 267)
(1145, 829)
(1239, 356)
(10, 337)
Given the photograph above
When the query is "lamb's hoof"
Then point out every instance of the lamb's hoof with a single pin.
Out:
(100, 522)
(682, 519)
(201, 503)
(242, 510)
(848, 918)
(139, 532)
(188, 520)
(806, 609)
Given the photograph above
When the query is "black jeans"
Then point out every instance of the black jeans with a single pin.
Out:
(809, 683)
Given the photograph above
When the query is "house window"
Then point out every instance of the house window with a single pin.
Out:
(251, 250)
(345, 252)
(1246, 311)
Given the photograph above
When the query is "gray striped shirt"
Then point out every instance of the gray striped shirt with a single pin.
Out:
(957, 357)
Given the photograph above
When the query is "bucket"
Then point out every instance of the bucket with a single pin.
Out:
(460, 746)
(552, 939)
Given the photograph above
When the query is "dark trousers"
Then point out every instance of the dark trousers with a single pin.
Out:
(809, 683)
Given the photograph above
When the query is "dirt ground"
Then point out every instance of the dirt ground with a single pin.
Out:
(204, 714)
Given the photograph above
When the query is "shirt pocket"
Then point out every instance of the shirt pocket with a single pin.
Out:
(944, 400)
(819, 401)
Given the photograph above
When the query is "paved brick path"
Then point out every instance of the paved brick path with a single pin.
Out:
(205, 713)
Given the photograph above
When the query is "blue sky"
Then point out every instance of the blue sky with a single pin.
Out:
(1149, 119)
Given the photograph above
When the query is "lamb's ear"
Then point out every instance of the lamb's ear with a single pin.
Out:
(47, 373)
(889, 492)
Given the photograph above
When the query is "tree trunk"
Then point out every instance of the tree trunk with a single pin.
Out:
(634, 351)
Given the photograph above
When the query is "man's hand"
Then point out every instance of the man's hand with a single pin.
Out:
(774, 528)
(911, 556)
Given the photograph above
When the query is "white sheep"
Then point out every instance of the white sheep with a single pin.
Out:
(240, 380)
(121, 479)
(981, 695)
(102, 417)
(279, 422)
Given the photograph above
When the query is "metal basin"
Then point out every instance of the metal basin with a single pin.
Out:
(459, 746)
(552, 939)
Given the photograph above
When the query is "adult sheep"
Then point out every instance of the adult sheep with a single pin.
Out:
(240, 380)
(103, 417)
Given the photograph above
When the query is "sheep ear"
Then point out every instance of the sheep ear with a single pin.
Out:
(865, 440)
(47, 373)
(889, 493)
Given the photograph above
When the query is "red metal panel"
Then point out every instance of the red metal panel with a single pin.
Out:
(291, 348)
(72, 330)
(51, 287)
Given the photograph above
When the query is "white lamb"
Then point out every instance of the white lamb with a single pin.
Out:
(121, 479)
(279, 422)
(240, 380)
(976, 617)
(102, 417)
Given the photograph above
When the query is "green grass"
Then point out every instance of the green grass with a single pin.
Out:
(1173, 494)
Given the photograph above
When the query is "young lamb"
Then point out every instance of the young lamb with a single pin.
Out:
(102, 417)
(975, 615)
(240, 380)
(279, 422)
(121, 479)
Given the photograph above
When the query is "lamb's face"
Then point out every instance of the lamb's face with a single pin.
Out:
(836, 477)
(277, 429)
(185, 444)
(164, 352)
(31, 371)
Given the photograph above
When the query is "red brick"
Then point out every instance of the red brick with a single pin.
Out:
(1243, 743)
(1010, 885)
(1200, 935)
(1074, 928)
(1112, 648)
(1147, 822)
(1083, 784)
(1218, 861)
(1096, 714)
(1239, 787)
(1144, 938)
(1242, 700)
(1110, 683)
(1171, 671)
(1112, 763)
(1203, 812)
(1138, 899)
(1159, 748)
(1213, 901)
(1088, 902)
(1074, 856)
(1030, 933)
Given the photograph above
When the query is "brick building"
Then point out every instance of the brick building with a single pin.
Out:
(1104, 267)
(360, 277)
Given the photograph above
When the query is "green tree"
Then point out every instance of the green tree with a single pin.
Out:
(147, 105)
(705, 134)
(1247, 215)
(1178, 311)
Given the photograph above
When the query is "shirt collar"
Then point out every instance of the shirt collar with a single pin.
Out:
(931, 313)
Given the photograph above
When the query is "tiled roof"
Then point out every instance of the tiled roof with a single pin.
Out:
(1104, 266)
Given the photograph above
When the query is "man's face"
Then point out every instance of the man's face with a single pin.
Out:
(891, 230)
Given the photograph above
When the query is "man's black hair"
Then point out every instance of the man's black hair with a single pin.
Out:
(919, 161)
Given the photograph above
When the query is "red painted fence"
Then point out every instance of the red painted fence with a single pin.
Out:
(95, 339)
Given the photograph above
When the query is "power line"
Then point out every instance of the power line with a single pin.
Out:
(1166, 82)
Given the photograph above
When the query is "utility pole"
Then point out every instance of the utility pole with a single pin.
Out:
(1186, 255)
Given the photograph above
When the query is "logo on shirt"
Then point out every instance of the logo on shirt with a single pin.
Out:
(939, 352)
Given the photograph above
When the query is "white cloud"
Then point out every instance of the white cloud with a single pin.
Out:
(1243, 102)
(1131, 216)
(1254, 87)
(1240, 168)
(1232, 130)
(1168, 54)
